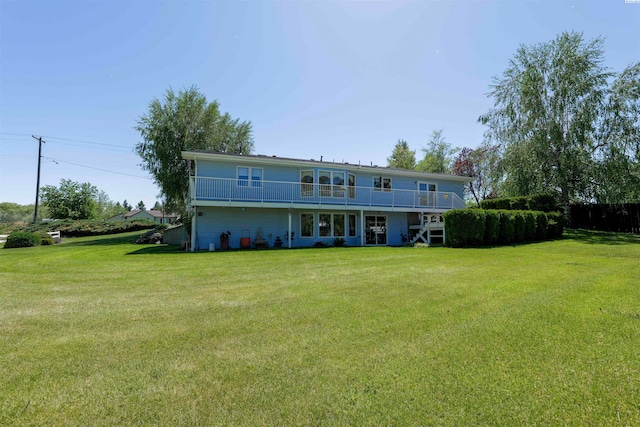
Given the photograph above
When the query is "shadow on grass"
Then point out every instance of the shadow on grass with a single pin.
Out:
(158, 249)
(601, 237)
(116, 239)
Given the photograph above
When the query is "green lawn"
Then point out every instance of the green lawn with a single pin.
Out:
(98, 331)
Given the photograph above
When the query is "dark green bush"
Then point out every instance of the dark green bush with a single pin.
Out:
(555, 226)
(518, 226)
(544, 202)
(541, 225)
(80, 228)
(464, 227)
(46, 240)
(537, 202)
(529, 226)
(507, 224)
(491, 227)
(519, 204)
(22, 239)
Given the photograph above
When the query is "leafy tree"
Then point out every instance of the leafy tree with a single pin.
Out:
(140, 206)
(438, 155)
(185, 121)
(402, 157)
(617, 172)
(72, 200)
(482, 163)
(564, 129)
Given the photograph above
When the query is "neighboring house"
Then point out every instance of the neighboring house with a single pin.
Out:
(151, 215)
(303, 202)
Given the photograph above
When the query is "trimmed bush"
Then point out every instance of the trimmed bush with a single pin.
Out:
(491, 227)
(555, 226)
(464, 227)
(22, 239)
(81, 228)
(519, 204)
(46, 240)
(529, 226)
(518, 226)
(507, 224)
(544, 202)
(537, 202)
(541, 225)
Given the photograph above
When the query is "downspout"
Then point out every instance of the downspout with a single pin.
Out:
(361, 227)
(289, 234)
(193, 228)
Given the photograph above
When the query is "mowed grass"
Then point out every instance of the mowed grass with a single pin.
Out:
(99, 331)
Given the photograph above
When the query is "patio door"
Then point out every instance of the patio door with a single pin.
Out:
(376, 229)
(427, 193)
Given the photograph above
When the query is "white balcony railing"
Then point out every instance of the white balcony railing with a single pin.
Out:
(235, 190)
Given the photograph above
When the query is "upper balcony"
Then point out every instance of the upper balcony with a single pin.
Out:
(205, 191)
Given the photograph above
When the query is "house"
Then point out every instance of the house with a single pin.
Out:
(151, 215)
(299, 203)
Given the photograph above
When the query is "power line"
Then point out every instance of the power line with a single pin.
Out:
(100, 169)
(70, 139)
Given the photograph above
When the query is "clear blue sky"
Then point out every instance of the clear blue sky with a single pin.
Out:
(343, 80)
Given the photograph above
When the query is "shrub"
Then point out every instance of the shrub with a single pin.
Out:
(541, 225)
(518, 204)
(555, 226)
(529, 226)
(518, 226)
(502, 204)
(507, 224)
(338, 241)
(22, 239)
(46, 240)
(491, 227)
(464, 227)
(544, 202)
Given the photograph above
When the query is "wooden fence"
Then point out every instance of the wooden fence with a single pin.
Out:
(621, 218)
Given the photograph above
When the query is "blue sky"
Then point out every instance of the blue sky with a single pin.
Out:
(342, 80)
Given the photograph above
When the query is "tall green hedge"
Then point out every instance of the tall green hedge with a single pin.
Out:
(467, 227)
(537, 202)
(476, 227)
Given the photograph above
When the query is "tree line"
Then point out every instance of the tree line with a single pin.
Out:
(561, 123)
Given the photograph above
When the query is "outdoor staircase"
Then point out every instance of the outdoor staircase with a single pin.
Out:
(429, 221)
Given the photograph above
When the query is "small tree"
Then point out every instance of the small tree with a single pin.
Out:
(438, 155)
(402, 157)
(72, 200)
(140, 206)
(126, 206)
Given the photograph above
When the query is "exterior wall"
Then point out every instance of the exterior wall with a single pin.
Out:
(143, 215)
(175, 235)
(364, 178)
(211, 222)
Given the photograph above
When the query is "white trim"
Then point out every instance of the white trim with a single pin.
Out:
(264, 160)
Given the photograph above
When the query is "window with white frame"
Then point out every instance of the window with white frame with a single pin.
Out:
(306, 225)
(352, 225)
(331, 225)
(247, 174)
(332, 183)
(306, 183)
(381, 183)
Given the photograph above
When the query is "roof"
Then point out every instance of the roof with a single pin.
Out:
(152, 212)
(275, 160)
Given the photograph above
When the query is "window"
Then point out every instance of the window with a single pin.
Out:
(381, 183)
(245, 172)
(306, 225)
(427, 193)
(352, 225)
(331, 183)
(331, 225)
(306, 183)
(352, 186)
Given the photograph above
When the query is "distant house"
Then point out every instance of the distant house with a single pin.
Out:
(151, 215)
(299, 202)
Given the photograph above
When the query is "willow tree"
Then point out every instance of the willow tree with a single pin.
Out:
(185, 121)
(547, 106)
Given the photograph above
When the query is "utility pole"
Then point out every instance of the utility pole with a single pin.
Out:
(40, 141)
